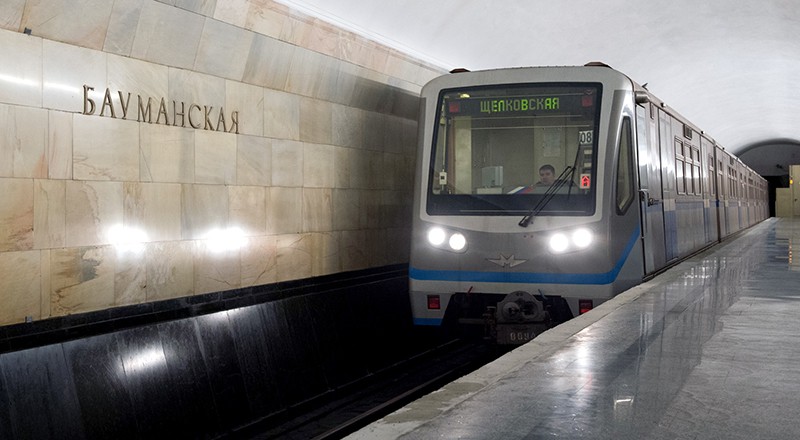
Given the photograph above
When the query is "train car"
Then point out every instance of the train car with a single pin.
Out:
(542, 192)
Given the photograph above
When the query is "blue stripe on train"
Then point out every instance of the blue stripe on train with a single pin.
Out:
(528, 277)
(428, 321)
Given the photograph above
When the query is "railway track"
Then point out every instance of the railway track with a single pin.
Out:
(345, 410)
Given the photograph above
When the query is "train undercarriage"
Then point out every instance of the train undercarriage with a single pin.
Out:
(511, 319)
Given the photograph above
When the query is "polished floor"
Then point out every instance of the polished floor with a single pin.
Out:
(708, 350)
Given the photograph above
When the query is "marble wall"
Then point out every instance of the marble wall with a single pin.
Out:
(276, 147)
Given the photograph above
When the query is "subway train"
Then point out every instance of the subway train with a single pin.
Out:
(542, 192)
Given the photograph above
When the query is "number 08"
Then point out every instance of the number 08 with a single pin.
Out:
(585, 137)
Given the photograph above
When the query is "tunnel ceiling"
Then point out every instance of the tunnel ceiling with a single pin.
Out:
(729, 66)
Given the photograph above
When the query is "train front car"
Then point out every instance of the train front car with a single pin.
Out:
(526, 207)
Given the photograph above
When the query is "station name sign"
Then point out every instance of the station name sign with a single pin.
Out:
(165, 112)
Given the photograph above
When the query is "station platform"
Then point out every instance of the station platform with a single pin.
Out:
(710, 349)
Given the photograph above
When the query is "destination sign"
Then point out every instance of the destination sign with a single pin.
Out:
(516, 105)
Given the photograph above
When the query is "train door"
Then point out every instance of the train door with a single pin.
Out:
(668, 183)
(714, 188)
(723, 189)
(650, 190)
(709, 190)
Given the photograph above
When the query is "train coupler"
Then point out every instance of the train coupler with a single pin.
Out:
(518, 318)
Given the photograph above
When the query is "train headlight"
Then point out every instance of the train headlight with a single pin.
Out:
(457, 241)
(582, 238)
(447, 240)
(576, 240)
(559, 243)
(436, 236)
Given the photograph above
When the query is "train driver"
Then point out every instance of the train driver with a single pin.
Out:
(547, 175)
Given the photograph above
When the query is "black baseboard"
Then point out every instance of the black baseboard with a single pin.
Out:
(65, 328)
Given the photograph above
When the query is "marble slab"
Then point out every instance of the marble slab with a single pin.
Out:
(318, 166)
(20, 288)
(223, 50)
(137, 78)
(204, 209)
(315, 121)
(284, 210)
(16, 215)
(83, 23)
(123, 19)
(281, 115)
(152, 211)
(93, 210)
(325, 257)
(259, 261)
(253, 160)
(217, 267)
(105, 149)
(82, 279)
(49, 208)
(23, 134)
(11, 14)
(66, 69)
(268, 62)
(202, 7)
(170, 270)
(353, 250)
(166, 154)
(159, 23)
(59, 145)
(234, 12)
(248, 209)
(348, 126)
(342, 166)
(294, 256)
(346, 209)
(317, 210)
(287, 163)
(312, 74)
(130, 276)
(21, 81)
(214, 158)
(248, 101)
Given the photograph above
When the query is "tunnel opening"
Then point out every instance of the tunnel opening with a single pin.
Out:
(772, 159)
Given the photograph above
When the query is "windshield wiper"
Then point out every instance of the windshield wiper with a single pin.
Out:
(563, 179)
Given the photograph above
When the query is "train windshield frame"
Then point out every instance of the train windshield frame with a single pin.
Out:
(510, 148)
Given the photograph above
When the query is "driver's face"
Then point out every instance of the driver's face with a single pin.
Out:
(547, 176)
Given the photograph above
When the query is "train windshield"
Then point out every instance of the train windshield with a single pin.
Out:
(503, 150)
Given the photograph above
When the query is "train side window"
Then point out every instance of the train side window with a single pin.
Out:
(696, 171)
(625, 174)
(711, 173)
(679, 167)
